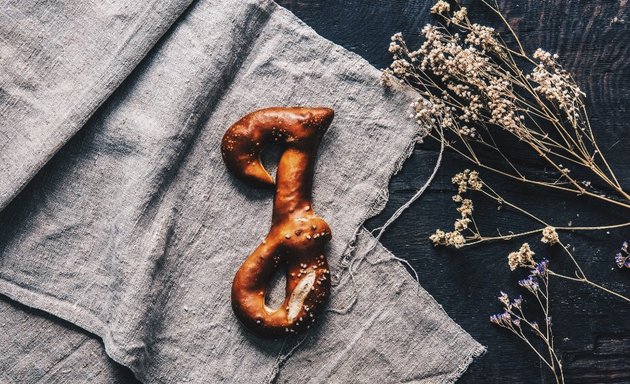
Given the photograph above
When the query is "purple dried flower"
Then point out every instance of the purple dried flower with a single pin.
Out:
(622, 259)
(502, 319)
(517, 302)
(541, 268)
(504, 299)
(530, 283)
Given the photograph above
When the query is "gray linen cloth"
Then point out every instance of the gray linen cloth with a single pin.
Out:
(417, 333)
(134, 229)
(59, 61)
(36, 348)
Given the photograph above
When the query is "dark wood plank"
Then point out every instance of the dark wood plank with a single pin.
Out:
(592, 329)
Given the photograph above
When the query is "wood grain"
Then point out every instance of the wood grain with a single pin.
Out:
(592, 329)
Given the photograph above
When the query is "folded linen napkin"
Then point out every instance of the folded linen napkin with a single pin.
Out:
(38, 348)
(134, 229)
(60, 60)
(405, 337)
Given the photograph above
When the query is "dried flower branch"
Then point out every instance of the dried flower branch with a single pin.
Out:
(514, 319)
(469, 234)
(475, 86)
(537, 284)
(466, 233)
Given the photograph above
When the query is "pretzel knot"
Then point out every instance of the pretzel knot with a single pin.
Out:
(297, 237)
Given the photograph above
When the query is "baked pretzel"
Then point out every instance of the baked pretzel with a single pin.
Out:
(297, 236)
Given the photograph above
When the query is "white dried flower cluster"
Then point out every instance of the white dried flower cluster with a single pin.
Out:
(455, 238)
(386, 78)
(440, 7)
(473, 84)
(396, 44)
(467, 179)
(550, 236)
(466, 209)
(524, 257)
(435, 112)
(461, 224)
(464, 180)
(466, 131)
(459, 15)
(471, 76)
(432, 113)
(557, 85)
(503, 109)
(477, 90)
(445, 55)
(546, 57)
(484, 37)
(400, 67)
(397, 49)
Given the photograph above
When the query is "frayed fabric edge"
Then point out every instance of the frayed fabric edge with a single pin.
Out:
(71, 313)
(470, 354)
(473, 354)
(349, 257)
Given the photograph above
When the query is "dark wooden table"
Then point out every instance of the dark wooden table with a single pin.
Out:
(592, 329)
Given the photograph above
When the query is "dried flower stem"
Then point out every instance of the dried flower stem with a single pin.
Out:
(513, 318)
(591, 283)
(520, 177)
(475, 85)
(476, 237)
(476, 79)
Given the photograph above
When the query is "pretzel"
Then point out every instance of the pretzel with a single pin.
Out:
(297, 236)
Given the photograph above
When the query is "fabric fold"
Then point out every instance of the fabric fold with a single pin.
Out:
(59, 61)
(134, 229)
(36, 347)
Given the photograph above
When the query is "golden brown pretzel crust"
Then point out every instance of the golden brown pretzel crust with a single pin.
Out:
(297, 236)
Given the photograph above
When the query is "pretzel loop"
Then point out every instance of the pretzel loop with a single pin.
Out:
(297, 237)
